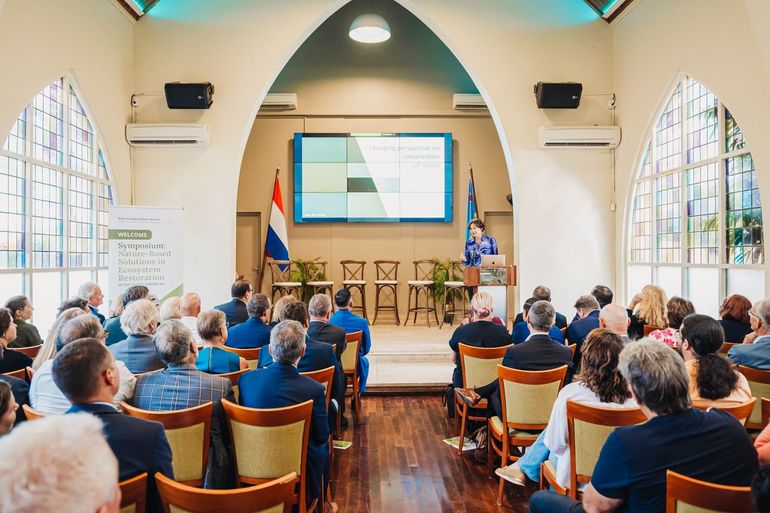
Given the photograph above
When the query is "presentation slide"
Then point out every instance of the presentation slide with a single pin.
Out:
(372, 178)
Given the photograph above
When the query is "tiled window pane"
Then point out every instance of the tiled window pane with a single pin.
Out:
(12, 284)
(46, 296)
(81, 138)
(48, 124)
(668, 216)
(703, 214)
(703, 283)
(702, 122)
(670, 278)
(638, 277)
(47, 217)
(646, 168)
(12, 213)
(733, 135)
(81, 222)
(641, 225)
(76, 279)
(102, 216)
(747, 282)
(16, 140)
(668, 134)
(744, 212)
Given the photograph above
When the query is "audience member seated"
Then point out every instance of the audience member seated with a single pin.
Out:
(615, 318)
(190, 307)
(8, 408)
(734, 318)
(760, 489)
(280, 385)
(713, 380)
(20, 391)
(182, 386)
(235, 310)
(320, 310)
(138, 321)
(92, 293)
(539, 352)
(599, 383)
(762, 445)
(480, 332)
(587, 320)
(10, 360)
(73, 302)
(350, 322)
(80, 472)
(543, 293)
(647, 309)
(677, 309)
(603, 295)
(212, 325)
(21, 311)
(170, 309)
(254, 332)
(521, 329)
(630, 474)
(113, 325)
(116, 308)
(48, 351)
(45, 396)
(279, 307)
(755, 352)
(85, 371)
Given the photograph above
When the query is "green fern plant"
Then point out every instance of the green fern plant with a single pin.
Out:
(304, 271)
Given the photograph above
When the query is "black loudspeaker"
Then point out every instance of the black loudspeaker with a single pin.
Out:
(563, 95)
(189, 96)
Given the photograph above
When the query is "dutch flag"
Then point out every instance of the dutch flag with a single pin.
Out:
(277, 241)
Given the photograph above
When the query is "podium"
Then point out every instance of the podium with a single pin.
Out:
(493, 280)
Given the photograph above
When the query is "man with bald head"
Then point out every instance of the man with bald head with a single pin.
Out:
(615, 318)
(190, 305)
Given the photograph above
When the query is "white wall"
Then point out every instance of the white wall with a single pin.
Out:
(92, 40)
(563, 233)
(722, 43)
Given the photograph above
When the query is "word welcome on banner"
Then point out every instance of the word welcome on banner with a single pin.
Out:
(146, 249)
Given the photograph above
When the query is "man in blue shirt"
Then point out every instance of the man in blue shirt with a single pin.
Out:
(255, 332)
(92, 293)
(520, 331)
(350, 322)
(630, 474)
(757, 353)
(588, 320)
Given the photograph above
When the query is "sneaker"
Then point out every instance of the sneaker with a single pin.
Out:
(512, 474)
(468, 396)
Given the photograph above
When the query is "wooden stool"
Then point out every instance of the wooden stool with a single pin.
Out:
(318, 281)
(387, 279)
(452, 289)
(353, 278)
(423, 282)
(280, 272)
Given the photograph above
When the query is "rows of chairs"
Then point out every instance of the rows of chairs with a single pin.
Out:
(421, 289)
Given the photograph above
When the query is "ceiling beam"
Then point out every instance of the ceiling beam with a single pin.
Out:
(137, 8)
(602, 7)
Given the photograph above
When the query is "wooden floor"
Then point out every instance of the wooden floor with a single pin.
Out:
(398, 463)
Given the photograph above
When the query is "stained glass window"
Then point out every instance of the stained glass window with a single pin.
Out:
(48, 124)
(744, 213)
(641, 238)
(703, 214)
(668, 216)
(701, 112)
(12, 212)
(668, 136)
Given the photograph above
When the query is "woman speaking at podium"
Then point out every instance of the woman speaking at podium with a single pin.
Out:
(479, 244)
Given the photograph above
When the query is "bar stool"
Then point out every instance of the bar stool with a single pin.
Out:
(318, 280)
(280, 272)
(423, 282)
(353, 278)
(387, 279)
(453, 289)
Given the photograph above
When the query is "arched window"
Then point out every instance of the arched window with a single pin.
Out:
(696, 220)
(54, 194)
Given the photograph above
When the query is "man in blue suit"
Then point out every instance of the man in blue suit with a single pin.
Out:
(235, 310)
(255, 332)
(84, 370)
(755, 354)
(520, 331)
(280, 385)
(92, 293)
(350, 322)
(588, 311)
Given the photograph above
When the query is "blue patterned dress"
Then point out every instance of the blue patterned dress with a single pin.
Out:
(474, 250)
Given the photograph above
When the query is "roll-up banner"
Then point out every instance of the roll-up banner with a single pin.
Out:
(146, 249)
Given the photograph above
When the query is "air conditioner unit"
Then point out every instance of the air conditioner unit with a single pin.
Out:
(468, 102)
(280, 101)
(168, 134)
(599, 137)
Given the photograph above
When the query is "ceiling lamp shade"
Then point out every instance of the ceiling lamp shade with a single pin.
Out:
(369, 28)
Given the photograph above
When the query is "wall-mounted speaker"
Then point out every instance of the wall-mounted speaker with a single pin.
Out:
(563, 95)
(189, 96)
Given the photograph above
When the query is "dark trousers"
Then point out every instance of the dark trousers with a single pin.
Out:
(491, 392)
(546, 501)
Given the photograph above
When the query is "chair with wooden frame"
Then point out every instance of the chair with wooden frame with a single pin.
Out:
(269, 443)
(234, 377)
(353, 278)
(251, 354)
(280, 272)
(324, 377)
(564, 334)
(387, 280)
(30, 372)
(270, 497)
(759, 382)
(479, 368)
(685, 494)
(573, 348)
(319, 281)
(740, 411)
(133, 494)
(649, 329)
(349, 362)
(726, 346)
(20, 374)
(189, 434)
(422, 283)
(527, 399)
(588, 427)
(30, 351)
(31, 414)
(453, 290)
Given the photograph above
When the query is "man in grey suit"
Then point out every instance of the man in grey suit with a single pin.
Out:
(755, 354)
(181, 385)
(137, 351)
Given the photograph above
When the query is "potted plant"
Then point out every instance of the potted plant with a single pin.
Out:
(443, 272)
(305, 271)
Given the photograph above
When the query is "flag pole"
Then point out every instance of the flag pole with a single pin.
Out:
(264, 245)
(473, 187)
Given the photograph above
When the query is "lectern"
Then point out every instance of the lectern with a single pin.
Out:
(494, 280)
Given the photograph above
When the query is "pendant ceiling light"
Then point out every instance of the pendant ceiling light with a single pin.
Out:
(369, 28)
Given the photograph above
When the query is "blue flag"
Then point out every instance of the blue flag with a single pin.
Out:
(472, 210)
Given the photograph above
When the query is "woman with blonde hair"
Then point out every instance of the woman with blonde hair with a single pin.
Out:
(170, 309)
(677, 309)
(647, 309)
(117, 306)
(48, 350)
(279, 307)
